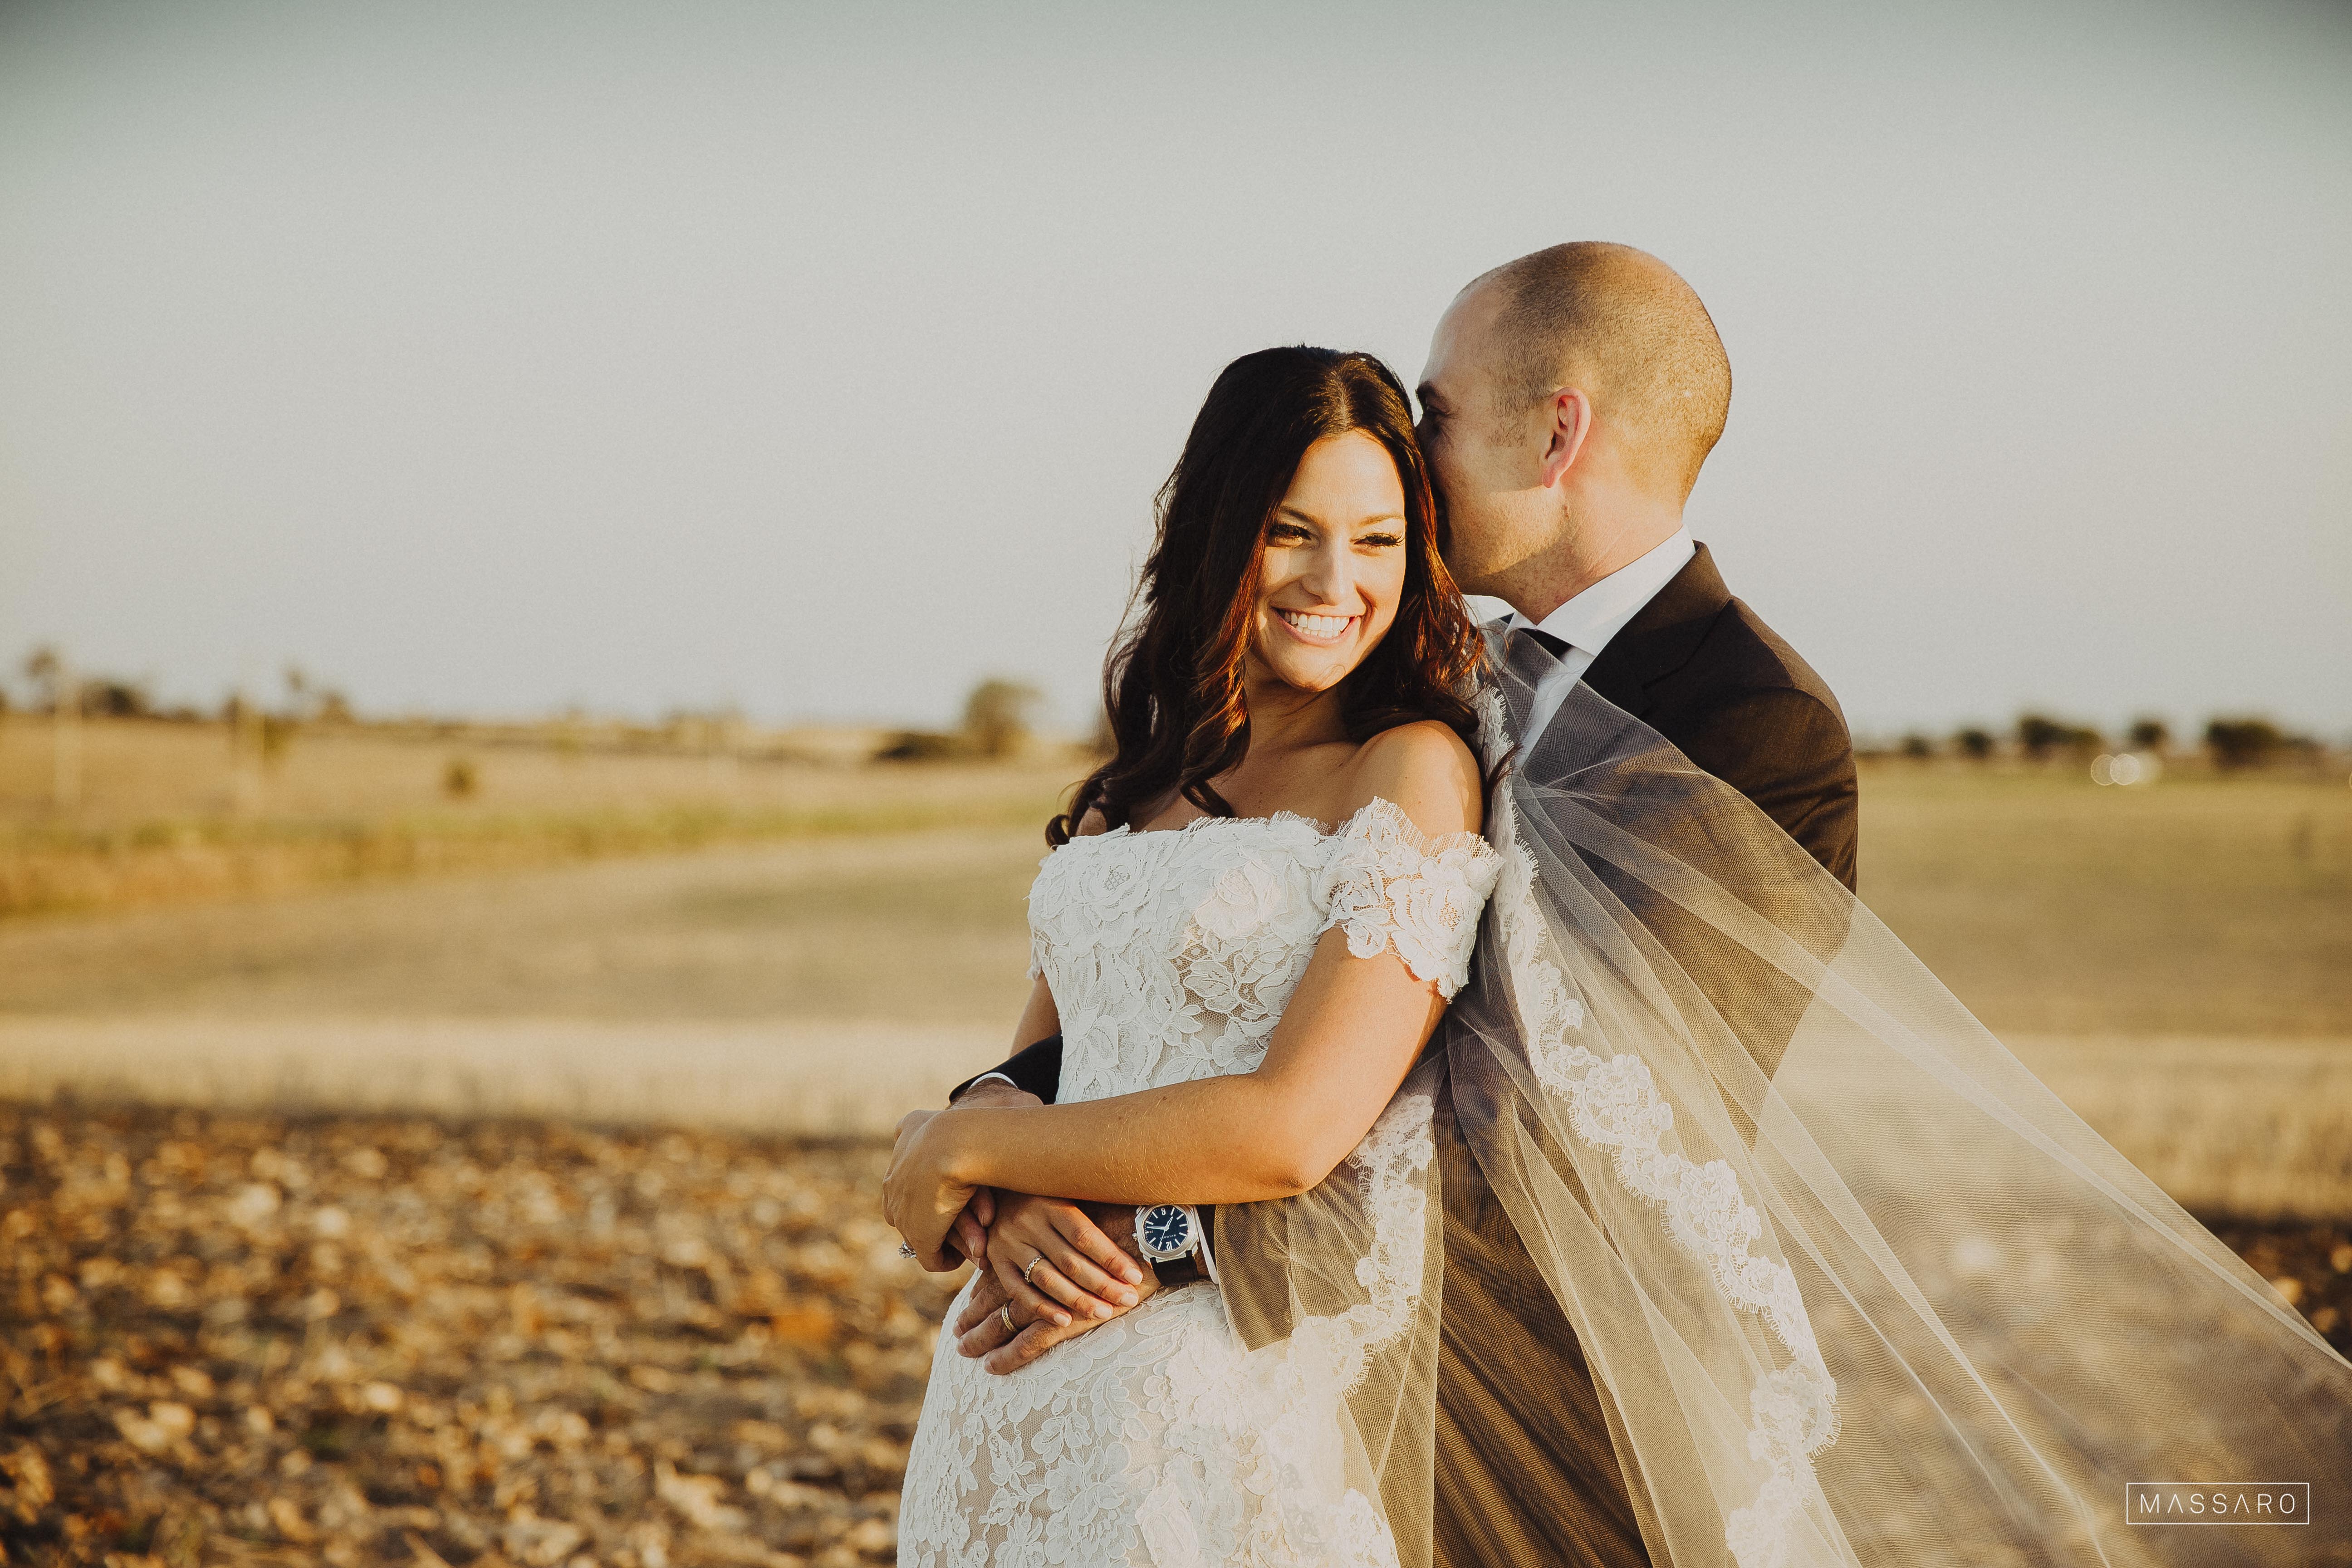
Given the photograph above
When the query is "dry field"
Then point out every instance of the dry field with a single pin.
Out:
(2200, 906)
(169, 813)
(493, 1250)
(2173, 960)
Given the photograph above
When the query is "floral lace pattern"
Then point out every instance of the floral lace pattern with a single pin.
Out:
(1157, 1439)
(1615, 1107)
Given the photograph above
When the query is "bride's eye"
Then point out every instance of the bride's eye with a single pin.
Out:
(1284, 533)
(1380, 540)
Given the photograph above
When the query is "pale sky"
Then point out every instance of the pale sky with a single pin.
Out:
(498, 358)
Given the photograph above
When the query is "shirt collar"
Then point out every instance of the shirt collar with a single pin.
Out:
(1598, 612)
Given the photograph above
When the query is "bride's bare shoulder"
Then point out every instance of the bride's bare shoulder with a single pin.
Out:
(1424, 768)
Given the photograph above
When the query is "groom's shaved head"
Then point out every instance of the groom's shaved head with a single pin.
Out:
(1622, 325)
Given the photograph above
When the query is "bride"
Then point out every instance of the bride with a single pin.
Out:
(1247, 930)
(1855, 1286)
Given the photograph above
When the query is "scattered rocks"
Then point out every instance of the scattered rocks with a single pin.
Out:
(497, 1346)
(348, 1341)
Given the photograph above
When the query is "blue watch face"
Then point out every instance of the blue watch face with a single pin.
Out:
(1166, 1229)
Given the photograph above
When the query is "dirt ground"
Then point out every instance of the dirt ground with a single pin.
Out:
(348, 1341)
(251, 1340)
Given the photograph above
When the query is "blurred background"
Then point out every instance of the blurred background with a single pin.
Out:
(545, 550)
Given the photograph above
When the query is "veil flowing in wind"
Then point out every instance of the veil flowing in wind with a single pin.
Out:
(1856, 1288)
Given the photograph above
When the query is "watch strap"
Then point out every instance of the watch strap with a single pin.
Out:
(1197, 1265)
(1185, 1270)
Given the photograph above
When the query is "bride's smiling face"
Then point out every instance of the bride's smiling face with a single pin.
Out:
(1333, 565)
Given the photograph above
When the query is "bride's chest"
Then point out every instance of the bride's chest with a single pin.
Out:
(1222, 887)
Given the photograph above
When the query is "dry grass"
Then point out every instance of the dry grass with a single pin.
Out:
(906, 928)
(2214, 907)
(167, 814)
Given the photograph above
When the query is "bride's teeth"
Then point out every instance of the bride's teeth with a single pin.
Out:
(1317, 626)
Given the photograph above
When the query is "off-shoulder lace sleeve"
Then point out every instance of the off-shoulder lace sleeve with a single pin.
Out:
(1389, 886)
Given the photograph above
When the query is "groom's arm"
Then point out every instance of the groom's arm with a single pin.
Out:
(1035, 1069)
(1789, 753)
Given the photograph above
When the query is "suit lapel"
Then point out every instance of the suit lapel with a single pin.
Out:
(1661, 636)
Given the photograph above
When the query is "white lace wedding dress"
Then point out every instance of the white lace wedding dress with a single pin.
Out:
(1156, 1439)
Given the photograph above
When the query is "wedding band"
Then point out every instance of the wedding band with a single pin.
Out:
(1005, 1314)
(1032, 1268)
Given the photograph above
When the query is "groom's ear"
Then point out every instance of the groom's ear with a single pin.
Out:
(1568, 420)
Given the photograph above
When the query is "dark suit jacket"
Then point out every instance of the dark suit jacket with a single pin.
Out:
(1704, 670)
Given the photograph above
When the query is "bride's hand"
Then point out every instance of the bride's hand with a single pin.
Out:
(919, 1198)
(1072, 1267)
(982, 1333)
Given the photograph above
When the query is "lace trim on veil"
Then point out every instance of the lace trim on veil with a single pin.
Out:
(1613, 1106)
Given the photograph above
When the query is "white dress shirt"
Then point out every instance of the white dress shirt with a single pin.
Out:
(1587, 622)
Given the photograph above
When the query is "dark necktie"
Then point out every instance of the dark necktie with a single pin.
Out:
(1557, 647)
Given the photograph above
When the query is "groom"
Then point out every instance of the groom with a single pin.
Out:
(1569, 400)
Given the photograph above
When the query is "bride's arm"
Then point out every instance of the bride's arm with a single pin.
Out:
(1346, 1040)
(1345, 1043)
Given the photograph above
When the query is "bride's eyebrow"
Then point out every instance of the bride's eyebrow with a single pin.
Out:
(1293, 514)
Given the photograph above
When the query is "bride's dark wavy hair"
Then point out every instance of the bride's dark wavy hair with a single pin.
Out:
(1172, 684)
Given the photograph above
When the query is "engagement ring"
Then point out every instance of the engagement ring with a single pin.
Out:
(904, 1250)
(1032, 1268)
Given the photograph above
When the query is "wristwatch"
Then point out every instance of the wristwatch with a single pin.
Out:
(1170, 1237)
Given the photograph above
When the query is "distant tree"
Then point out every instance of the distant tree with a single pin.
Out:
(2038, 735)
(2243, 742)
(922, 746)
(46, 669)
(2150, 736)
(996, 716)
(1918, 745)
(115, 699)
(1974, 743)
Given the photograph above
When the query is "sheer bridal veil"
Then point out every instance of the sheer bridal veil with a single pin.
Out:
(1856, 1288)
